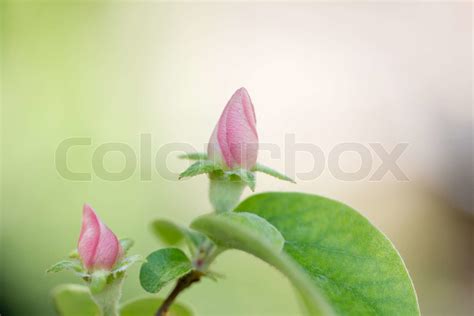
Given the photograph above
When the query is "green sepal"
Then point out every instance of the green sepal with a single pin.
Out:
(126, 263)
(98, 281)
(247, 178)
(74, 254)
(267, 170)
(74, 262)
(68, 264)
(200, 167)
(245, 175)
(126, 244)
(194, 156)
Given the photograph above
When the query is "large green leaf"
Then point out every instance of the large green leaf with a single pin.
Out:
(229, 230)
(74, 300)
(163, 266)
(342, 253)
(148, 306)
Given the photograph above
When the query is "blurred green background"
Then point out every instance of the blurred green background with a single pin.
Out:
(328, 73)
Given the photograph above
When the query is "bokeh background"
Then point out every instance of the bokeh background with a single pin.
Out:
(326, 72)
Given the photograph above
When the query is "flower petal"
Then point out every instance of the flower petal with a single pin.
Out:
(89, 237)
(98, 246)
(234, 141)
(108, 249)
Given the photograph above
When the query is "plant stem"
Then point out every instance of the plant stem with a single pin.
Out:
(108, 298)
(182, 284)
(224, 193)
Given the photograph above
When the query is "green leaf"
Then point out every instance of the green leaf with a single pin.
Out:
(148, 306)
(194, 156)
(74, 300)
(342, 253)
(167, 231)
(172, 234)
(254, 225)
(126, 244)
(228, 232)
(163, 266)
(264, 169)
(73, 264)
(200, 167)
(247, 176)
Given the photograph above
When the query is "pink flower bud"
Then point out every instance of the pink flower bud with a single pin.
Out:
(234, 141)
(98, 247)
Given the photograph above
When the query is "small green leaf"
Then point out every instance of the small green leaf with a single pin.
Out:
(247, 176)
(264, 169)
(98, 281)
(163, 266)
(126, 244)
(167, 231)
(194, 156)
(74, 265)
(74, 300)
(200, 167)
(172, 234)
(148, 306)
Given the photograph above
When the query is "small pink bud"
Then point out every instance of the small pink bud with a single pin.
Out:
(98, 247)
(234, 141)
